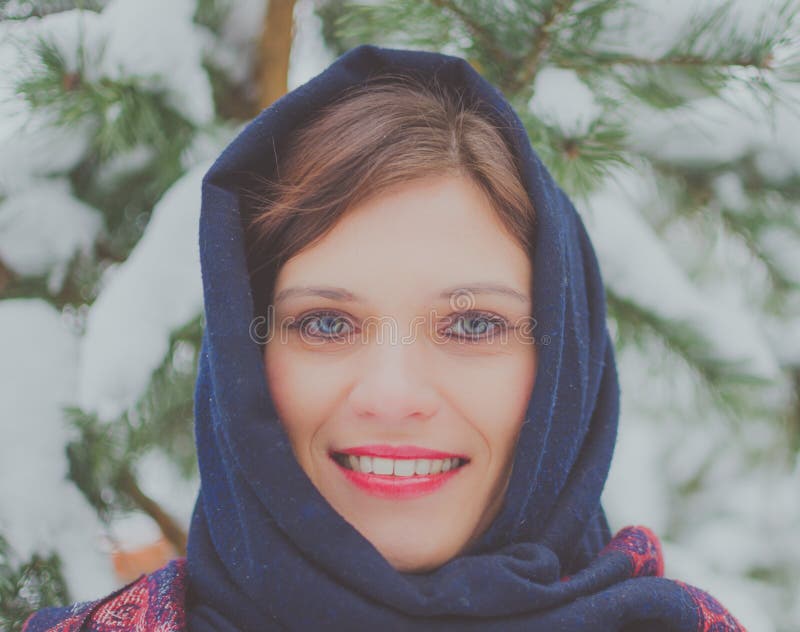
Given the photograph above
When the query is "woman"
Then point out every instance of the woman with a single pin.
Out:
(445, 478)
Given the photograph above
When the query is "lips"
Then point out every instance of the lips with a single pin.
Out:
(401, 452)
(397, 472)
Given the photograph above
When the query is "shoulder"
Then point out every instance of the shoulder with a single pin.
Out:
(154, 601)
(641, 549)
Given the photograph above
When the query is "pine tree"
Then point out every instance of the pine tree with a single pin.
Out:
(113, 118)
(673, 129)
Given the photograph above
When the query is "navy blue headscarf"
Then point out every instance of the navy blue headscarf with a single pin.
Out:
(267, 552)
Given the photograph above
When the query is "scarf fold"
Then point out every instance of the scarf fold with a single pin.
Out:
(266, 551)
(157, 601)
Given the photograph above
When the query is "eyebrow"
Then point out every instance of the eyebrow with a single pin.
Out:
(341, 294)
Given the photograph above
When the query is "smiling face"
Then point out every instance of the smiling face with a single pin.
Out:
(378, 353)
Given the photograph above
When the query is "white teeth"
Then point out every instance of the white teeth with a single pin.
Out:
(400, 467)
(422, 466)
(404, 467)
(365, 464)
(382, 466)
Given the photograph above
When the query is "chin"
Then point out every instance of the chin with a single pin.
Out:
(410, 564)
(415, 556)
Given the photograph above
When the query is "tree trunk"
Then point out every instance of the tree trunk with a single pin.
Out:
(273, 53)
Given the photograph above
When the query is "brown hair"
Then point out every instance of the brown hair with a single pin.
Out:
(391, 130)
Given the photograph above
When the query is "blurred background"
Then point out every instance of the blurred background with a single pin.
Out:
(673, 125)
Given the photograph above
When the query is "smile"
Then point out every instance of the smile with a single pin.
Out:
(397, 467)
(397, 478)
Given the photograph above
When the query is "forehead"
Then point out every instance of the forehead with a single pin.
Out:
(426, 234)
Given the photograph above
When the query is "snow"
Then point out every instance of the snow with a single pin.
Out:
(778, 152)
(244, 22)
(783, 247)
(65, 30)
(728, 189)
(750, 522)
(43, 228)
(309, 55)
(716, 536)
(208, 143)
(123, 163)
(649, 28)
(738, 597)
(640, 499)
(32, 146)
(167, 52)
(123, 42)
(161, 480)
(784, 336)
(235, 49)
(156, 290)
(158, 478)
(40, 510)
(562, 100)
(700, 132)
(636, 266)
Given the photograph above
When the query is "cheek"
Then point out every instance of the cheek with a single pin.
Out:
(494, 397)
(303, 392)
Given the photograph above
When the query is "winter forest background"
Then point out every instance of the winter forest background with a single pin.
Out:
(674, 125)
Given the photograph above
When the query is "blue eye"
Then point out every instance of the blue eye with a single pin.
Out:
(480, 326)
(321, 325)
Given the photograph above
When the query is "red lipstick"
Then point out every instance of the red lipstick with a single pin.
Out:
(401, 452)
(389, 485)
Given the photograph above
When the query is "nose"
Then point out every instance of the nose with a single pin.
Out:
(392, 385)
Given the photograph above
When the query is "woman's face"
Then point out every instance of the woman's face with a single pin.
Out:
(372, 358)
